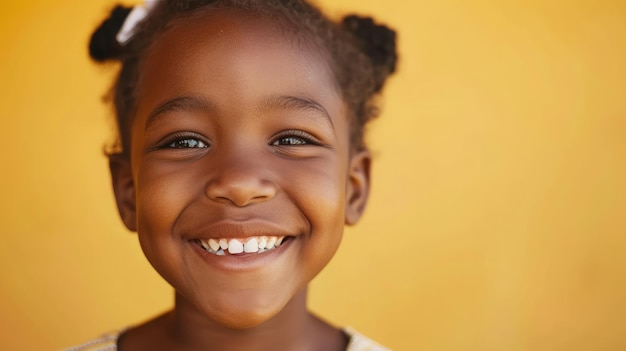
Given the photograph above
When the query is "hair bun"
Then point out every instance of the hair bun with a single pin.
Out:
(103, 46)
(377, 41)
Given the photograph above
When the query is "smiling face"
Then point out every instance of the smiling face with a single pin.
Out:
(240, 134)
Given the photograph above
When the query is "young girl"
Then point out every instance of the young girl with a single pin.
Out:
(240, 159)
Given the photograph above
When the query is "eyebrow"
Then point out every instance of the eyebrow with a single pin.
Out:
(297, 103)
(194, 103)
(183, 103)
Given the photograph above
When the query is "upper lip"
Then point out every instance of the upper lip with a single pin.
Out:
(229, 229)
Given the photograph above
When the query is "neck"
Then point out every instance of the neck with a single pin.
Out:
(288, 330)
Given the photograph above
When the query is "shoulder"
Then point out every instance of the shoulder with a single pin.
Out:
(107, 342)
(359, 342)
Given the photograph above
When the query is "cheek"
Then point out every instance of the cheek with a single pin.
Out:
(159, 200)
(320, 187)
(162, 196)
(320, 193)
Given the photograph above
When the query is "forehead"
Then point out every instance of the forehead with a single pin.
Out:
(220, 51)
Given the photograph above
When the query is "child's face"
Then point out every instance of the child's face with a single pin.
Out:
(239, 132)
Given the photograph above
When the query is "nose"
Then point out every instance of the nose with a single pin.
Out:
(240, 181)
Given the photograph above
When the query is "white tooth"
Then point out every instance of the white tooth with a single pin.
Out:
(206, 247)
(235, 246)
(263, 242)
(279, 241)
(270, 242)
(220, 252)
(223, 244)
(214, 244)
(251, 246)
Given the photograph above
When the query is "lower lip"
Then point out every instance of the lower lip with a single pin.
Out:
(242, 262)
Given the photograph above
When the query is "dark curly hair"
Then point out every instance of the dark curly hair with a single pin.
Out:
(361, 53)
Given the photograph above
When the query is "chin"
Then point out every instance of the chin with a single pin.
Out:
(242, 318)
(242, 312)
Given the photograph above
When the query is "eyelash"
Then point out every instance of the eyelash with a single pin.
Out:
(296, 137)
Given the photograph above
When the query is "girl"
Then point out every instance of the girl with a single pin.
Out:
(240, 159)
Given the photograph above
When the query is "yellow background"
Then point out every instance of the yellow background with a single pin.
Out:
(498, 214)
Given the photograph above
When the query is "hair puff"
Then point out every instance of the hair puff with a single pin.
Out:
(378, 42)
(103, 46)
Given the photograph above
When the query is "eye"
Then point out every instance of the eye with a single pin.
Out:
(187, 143)
(294, 137)
(290, 141)
(182, 141)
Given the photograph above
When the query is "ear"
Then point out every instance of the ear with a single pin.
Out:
(124, 189)
(358, 185)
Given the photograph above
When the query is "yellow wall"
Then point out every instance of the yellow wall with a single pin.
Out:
(498, 215)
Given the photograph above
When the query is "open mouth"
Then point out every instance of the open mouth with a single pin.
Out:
(255, 244)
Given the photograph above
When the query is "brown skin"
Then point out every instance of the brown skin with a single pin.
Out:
(253, 140)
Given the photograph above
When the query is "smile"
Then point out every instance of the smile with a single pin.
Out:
(255, 244)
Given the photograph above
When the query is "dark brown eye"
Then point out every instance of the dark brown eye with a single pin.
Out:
(188, 143)
(294, 137)
(290, 141)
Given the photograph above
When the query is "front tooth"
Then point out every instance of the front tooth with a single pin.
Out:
(251, 246)
(270, 242)
(214, 244)
(263, 242)
(235, 246)
(223, 244)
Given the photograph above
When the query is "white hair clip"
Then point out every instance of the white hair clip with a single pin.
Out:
(136, 15)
